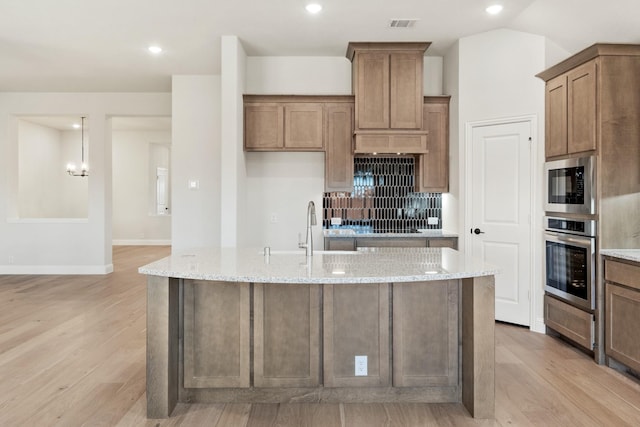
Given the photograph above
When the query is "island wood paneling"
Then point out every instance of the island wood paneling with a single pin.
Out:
(216, 334)
(81, 361)
(286, 335)
(425, 334)
(356, 323)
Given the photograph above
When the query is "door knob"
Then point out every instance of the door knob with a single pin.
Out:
(478, 231)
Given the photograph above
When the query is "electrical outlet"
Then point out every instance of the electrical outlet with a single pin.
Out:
(336, 221)
(274, 218)
(432, 220)
(361, 366)
(12, 260)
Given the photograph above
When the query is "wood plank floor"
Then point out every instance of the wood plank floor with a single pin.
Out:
(72, 353)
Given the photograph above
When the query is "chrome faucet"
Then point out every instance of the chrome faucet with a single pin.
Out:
(311, 220)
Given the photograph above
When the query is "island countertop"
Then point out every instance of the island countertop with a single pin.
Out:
(366, 265)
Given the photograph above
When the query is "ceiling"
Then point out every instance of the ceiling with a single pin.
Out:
(100, 45)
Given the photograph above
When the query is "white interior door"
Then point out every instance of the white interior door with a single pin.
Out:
(501, 207)
(162, 191)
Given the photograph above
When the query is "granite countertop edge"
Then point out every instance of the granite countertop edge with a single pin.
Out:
(626, 254)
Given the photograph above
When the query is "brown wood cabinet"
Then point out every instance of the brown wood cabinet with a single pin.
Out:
(573, 323)
(381, 143)
(352, 243)
(589, 99)
(433, 166)
(622, 312)
(338, 137)
(216, 334)
(571, 111)
(356, 323)
(425, 334)
(275, 126)
(388, 84)
(286, 335)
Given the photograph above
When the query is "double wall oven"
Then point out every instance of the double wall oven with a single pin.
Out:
(571, 245)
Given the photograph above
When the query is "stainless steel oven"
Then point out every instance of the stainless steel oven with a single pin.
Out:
(570, 260)
(570, 185)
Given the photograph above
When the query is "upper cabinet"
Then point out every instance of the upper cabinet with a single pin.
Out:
(591, 100)
(570, 104)
(338, 138)
(288, 124)
(433, 166)
(388, 89)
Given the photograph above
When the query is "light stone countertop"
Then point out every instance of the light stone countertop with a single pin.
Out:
(367, 265)
(626, 254)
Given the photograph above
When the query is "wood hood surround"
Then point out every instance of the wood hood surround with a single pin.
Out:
(387, 81)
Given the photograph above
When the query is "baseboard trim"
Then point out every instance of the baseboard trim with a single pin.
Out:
(538, 325)
(141, 242)
(56, 269)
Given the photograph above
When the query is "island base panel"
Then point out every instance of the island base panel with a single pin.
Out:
(162, 346)
(478, 346)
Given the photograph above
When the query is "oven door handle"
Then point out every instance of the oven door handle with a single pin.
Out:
(582, 241)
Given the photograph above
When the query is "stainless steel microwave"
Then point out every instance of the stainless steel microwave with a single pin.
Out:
(571, 185)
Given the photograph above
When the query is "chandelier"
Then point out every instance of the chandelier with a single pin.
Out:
(84, 169)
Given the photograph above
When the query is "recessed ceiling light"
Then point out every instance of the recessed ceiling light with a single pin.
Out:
(75, 126)
(155, 49)
(313, 7)
(494, 9)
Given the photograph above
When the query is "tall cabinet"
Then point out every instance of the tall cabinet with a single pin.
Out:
(592, 107)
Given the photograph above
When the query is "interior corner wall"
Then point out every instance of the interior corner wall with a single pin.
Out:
(233, 205)
(195, 157)
(65, 246)
(281, 184)
(496, 80)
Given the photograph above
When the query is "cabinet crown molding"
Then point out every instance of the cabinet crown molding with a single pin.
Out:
(385, 46)
(593, 51)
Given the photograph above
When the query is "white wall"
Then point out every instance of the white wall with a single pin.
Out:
(134, 219)
(45, 190)
(195, 156)
(493, 78)
(64, 246)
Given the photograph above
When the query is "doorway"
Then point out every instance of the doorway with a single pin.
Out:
(500, 182)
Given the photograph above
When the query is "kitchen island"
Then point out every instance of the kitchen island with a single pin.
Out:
(373, 325)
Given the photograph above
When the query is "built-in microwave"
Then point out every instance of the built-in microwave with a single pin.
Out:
(571, 185)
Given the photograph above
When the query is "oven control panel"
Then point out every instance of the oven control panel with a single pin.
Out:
(582, 227)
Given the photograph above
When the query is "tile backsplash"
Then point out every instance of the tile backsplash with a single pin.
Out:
(383, 199)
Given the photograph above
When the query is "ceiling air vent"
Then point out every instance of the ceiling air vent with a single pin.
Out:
(402, 23)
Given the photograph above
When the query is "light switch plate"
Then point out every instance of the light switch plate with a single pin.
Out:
(336, 221)
(432, 220)
(361, 366)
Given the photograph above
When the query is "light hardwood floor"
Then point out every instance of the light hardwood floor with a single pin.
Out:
(72, 352)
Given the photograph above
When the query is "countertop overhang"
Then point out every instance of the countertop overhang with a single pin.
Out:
(366, 265)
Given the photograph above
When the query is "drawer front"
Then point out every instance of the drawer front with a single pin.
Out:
(622, 319)
(622, 273)
(447, 242)
(575, 324)
(398, 242)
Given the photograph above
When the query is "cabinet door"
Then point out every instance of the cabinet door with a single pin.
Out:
(339, 151)
(581, 120)
(216, 334)
(303, 126)
(621, 327)
(425, 334)
(433, 167)
(391, 242)
(263, 127)
(573, 323)
(286, 335)
(356, 323)
(556, 117)
(406, 90)
(372, 99)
